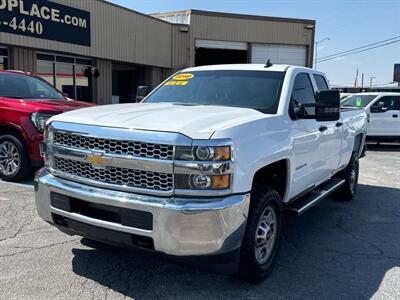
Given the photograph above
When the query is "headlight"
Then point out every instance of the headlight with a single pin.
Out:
(203, 153)
(39, 120)
(48, 134)
(48, 144)
(203, 168)
(202, 182)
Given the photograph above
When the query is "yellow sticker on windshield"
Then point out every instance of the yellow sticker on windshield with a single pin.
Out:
(176, 83)
(183, 76)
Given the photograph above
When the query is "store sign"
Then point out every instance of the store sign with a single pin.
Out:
(396, 76)
(46, 20)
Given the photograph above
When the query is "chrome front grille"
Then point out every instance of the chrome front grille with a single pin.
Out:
(129, 160)
(112, 146)
(117, 176)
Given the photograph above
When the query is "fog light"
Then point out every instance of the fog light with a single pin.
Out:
(200, 181)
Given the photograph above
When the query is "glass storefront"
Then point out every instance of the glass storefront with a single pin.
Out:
(3, 59)
(67, 74)
(83, 89)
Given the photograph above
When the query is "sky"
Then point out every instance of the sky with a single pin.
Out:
(348, 24)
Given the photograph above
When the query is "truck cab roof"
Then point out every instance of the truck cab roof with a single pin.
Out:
(379, 94)
(246, 67)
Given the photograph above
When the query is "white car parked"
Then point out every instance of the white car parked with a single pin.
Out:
(384, 112)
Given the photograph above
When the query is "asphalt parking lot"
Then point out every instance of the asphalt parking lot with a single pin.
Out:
(335, 251)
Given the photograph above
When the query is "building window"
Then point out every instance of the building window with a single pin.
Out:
(67, 74)
(46, 70)
(3, 59)
(83, 89)
(65, 79)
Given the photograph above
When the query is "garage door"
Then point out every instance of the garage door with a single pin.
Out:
(221, 45)
(279, 54)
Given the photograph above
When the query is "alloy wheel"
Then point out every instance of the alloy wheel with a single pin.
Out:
(10, 159)
(265, 235)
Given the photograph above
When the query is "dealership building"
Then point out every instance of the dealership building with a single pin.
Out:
(97, 51)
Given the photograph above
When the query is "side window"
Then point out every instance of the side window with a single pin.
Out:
(321, 82)
(397, 102)
(303, 92)
(387, 103)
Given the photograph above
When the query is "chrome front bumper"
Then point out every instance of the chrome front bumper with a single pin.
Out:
(181, 226)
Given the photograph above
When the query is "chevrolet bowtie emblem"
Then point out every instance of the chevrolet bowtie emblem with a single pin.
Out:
(97, 160)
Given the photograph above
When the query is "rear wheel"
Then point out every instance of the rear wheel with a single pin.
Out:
(263, 235)
(14, 161)
(350, 175)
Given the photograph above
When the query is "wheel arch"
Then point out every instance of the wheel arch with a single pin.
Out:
(359, 141)
(10, 128)
(275, 175)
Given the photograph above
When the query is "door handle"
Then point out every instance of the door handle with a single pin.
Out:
(339, 124)
(395, 116)
(323, 128)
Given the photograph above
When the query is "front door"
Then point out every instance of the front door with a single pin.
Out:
(385, 117)
(316, 145)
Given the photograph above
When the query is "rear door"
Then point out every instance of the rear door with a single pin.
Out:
(385, 117)
(331, 141)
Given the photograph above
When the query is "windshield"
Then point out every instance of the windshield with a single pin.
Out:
(26, 87)
(359, 100)
(259, 90)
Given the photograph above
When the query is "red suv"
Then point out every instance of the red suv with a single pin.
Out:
(26, 103)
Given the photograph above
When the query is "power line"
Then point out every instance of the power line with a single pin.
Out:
(363, 50)
(358, 48)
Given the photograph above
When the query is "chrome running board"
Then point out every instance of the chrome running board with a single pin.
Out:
(304, 203)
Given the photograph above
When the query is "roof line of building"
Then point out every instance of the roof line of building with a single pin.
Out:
(235, 15)
(212, 13)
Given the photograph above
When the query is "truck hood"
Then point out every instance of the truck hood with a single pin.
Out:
(196, 122)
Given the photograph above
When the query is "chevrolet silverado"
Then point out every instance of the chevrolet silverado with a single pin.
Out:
(206, 166)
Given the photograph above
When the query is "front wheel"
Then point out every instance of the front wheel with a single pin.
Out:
(14, 161)
(263, 235)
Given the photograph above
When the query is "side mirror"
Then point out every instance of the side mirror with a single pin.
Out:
(328, 105)
(141, 92)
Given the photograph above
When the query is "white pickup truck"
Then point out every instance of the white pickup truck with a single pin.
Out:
(383, 109)
(205, 167)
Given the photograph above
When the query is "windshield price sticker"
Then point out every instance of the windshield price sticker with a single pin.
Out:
(46, 20)
(184, 76)
(358, 102)
(176, 83)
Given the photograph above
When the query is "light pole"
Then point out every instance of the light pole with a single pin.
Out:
(316, 49)
(370, 82)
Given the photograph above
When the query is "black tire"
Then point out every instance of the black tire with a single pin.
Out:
(23, 168)
(350, 175)
(250, 268)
